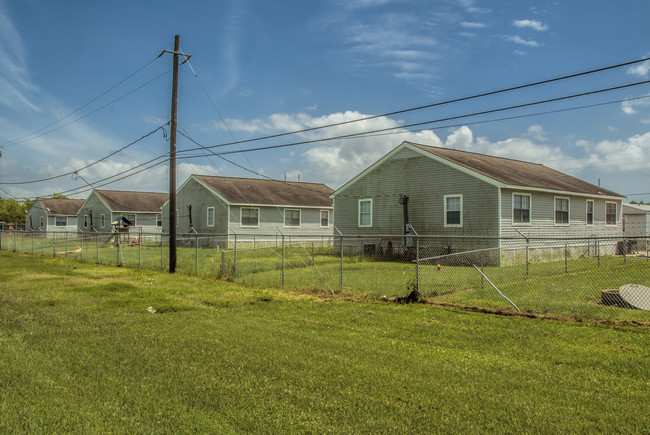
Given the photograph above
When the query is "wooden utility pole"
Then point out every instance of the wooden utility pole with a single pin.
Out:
(172, 161)
(172, 154)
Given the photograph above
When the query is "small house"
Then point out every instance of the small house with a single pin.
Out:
(470, 201)
(53, 215)
(251, 209)
(141, 210)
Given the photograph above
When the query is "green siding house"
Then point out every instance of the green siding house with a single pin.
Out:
(251, 209)
(469, 197)
(53, 215)
(141, 209)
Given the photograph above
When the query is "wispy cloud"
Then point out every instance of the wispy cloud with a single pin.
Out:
(530, 24)
(519, 40)
(16, 86)
(473, 25)
(640, 69)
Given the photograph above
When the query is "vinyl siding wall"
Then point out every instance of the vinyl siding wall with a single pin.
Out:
(98, 208)
(426, 182)
(201, 198)
(542, 215)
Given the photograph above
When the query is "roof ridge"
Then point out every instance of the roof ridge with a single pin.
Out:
(480, 154)
(260, 179)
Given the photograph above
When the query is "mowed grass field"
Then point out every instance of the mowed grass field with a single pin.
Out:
(81, 352)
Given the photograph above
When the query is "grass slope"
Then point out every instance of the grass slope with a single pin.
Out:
(79, 352)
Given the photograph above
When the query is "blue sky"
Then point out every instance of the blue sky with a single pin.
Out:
(261, 68)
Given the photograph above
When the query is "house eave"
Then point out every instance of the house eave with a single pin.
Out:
(563, 192)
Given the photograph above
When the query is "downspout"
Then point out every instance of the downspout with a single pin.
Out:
(404, 200)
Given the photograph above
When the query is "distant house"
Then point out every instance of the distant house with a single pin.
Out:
(138, 209)
(251, 208)
(52, 215)
(636, 220)
(452, 193)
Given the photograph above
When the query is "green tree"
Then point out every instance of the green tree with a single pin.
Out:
(11, 210)
(58, 196)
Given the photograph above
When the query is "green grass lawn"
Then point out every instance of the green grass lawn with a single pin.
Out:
(79, 352)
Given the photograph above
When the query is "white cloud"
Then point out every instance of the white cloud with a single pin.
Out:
(530, 24)
(640, 69)
(473, 25)
(461, 138)
(629, 107)
(537, 132)
(519, 40)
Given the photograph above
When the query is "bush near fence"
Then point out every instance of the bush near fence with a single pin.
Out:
(554, 277)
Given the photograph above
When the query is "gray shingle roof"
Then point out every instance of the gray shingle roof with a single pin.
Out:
(118, 200)
(516, 172)
(68, 207)
(268, 192)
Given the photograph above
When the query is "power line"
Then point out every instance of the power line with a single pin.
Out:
(428, 106)
(483, 112)
(90, 164)
(23, 138)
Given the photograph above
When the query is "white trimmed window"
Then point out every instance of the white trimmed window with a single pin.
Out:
(102, 220)
(590, 212)
(131, 218)
(453, 210)
(562, 211)
(159, 220)
(42, 221)
(210, 217)
(365, 212)
(520, 209)
(60, 221)
(291, 218)
(324, 218)
(610, 213)
(250, 217)
(85, 221)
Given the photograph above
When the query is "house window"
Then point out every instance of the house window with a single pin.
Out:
(365, 212)
(250, 217)
(60, 221)
(521, 209)
(42, 221)
(292, 218)
(590, 212)
(102, 220)
(210, 217)
(562, 211)
(453, 210)
(610, 213)
(159, 220)
(324, 218)
(85, 221)
(131, 218)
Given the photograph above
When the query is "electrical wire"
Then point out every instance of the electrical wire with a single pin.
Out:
(483, 112)
(442, 103)
(20, 139)
(54, 177)
(96, 110)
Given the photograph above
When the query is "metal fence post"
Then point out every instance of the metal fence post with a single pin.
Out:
(96, 245)
(527, 246)
(624, 251)
(223, 264)
(565, 259)
(598, 250)
(235, 268)
(43, 244)
(22, 236)
(417, 263)
(341, 281)
(196, 256)
(282, 260)
(162, 254)
(66, 244)
(14, 240)
(313, 259)
(53, 245)
(140, 249)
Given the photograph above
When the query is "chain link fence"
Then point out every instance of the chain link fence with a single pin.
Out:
(600, 278)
